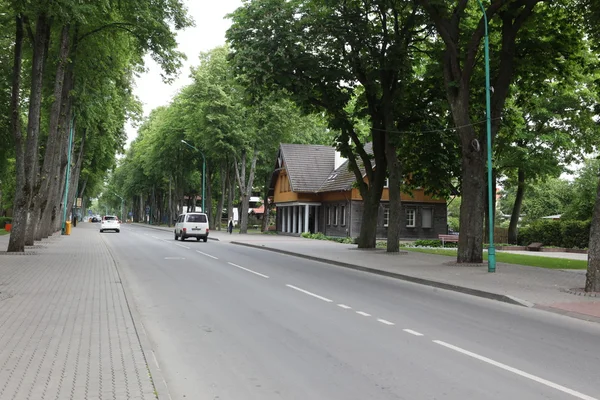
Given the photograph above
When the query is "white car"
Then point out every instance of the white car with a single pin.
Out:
(110, 223)
(193, 225)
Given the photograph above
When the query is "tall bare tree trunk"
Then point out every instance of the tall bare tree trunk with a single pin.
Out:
(266, 206)
(50, 166)
(395, 182)
(516, 211)
(17, 236)
(219, 213)
(230, 192)
(245, 186)
(24, 192)
(592, 281)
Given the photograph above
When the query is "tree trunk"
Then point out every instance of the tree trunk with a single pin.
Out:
(266, 206)
(395, 176)
(368, 228)
(245, 187)
(16, 241)
(221, 203)
(230, 193)
(50, 166)
(40, 48)
(470, 244)
(516, 211)
(208, 193)
(592, 281)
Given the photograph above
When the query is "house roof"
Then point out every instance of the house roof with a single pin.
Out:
(343, 178)
(308, 166)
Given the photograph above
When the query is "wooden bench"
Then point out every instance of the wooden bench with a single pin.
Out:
(535, 247)
(448, 238)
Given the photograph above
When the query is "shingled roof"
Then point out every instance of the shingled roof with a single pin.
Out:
(307, 165)
(311, 168)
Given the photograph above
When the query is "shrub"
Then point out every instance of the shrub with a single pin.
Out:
(568, 234)
(4, 221)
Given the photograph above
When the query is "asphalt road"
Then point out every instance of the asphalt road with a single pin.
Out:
(229, 322)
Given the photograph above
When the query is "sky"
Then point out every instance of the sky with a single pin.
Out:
(208, 33)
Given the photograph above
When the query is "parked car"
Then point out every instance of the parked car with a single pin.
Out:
(110, 223)
(96, 219)
(192, 225)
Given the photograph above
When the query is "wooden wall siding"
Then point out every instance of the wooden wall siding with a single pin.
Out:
(418, 196)
(336, 229)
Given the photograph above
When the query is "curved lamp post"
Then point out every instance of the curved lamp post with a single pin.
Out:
(492, 248)
(203, 171)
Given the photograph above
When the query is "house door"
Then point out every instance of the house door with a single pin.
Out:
(311, 219)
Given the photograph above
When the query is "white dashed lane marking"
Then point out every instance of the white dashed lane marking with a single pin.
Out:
(207, 255)
(385, 321)
(364, 314)
(309, 293)
(345, 307)
(249, 270)
(524, 374)
(412, 332)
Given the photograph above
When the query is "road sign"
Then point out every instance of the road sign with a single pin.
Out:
(79, 202)
(130, 213)
(90, 212)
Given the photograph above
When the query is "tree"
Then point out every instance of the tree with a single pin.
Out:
(583, 189)
(461, 28)
(327, 54)
(74, 35)
(592, 282)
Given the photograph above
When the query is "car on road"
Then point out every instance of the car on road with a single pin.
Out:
(192, 225)
(110, 223)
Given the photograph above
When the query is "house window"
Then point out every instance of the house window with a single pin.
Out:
(387, 183)
(426, 217)
(328, 215)
(386, 217)
(411, 218)
(335, 215)
(343, 215)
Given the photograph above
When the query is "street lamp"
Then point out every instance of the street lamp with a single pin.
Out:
(491, 249)
(122, 201)
(203, 171)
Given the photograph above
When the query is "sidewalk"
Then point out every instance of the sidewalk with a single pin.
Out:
(66, 329)
(554, 290)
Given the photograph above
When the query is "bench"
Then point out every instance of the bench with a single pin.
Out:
(535, 247)
(448, 238)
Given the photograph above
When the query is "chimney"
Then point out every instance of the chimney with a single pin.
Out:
(339, 160)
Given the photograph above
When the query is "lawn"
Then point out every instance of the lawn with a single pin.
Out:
(3, 232)
(508, 258)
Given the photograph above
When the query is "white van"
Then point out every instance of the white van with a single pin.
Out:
(192, 225)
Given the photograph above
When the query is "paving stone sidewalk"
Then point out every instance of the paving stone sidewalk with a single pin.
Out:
(66, 331)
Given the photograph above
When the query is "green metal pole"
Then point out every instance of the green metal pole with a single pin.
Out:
(64, 223)
(492, 248)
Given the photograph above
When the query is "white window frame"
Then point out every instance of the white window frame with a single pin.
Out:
(335, 215)
(386, 184)
(412, 211)
(430, 210)
(328, 215)
(343, 215)
(386, 217)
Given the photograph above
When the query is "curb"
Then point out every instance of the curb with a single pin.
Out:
(158, 228)
(421, 281)
(159, 382)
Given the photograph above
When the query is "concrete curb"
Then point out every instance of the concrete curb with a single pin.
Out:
(421, 281)
(158, 379)
(165, 229)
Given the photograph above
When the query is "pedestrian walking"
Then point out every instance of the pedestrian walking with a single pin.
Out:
(230, 226)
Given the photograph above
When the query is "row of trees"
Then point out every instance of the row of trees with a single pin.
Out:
(410, 67)
(238, 135)
(68, 94)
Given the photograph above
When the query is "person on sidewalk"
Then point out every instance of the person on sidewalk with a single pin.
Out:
(230, 226)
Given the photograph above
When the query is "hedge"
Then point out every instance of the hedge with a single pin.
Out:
(568, 234)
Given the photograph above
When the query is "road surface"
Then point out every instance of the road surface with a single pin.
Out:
(230, 322)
